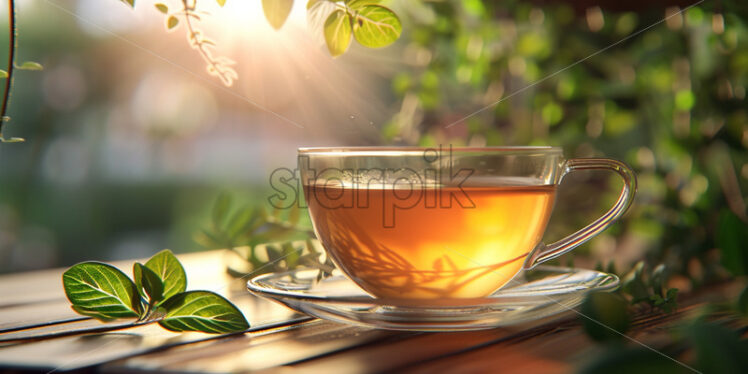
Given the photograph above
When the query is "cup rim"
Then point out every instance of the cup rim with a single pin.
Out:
(399, 150)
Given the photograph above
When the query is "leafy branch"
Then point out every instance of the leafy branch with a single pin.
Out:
(216, 66)
(158, 294)
(371, 24)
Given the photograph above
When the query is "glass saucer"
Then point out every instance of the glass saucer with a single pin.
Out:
(540, 293)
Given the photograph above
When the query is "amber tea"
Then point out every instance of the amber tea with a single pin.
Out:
(431, 252)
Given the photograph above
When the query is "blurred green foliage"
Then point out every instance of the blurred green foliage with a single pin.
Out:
(261, 241)
(714, 347)
(670, 100)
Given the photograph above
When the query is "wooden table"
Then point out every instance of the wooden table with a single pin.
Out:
(280, 340)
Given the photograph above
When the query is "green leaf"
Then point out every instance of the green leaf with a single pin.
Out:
(338, 32)
(376, 26)
(294, 215)
(742, 305)
(317, 13)
(221, 209)
(30, 65)
(3, 74)
(731, 238)
(208, 239)
(172, 22)
(633, 284)
(221, 3)
(602, 314)
(277, 11)
(291, 254)
(170, 271)
(101, 291)
(658, 278)
(129, 2)
(202, 311)
(162, 8)
(611, 269)
(274, 255)
(147, 280)
(356, 4)
(671, 301)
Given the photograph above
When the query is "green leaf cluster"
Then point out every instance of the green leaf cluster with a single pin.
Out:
(157, 294)
(371, 24)
(650, 287)
(262, 241)
(232, 226)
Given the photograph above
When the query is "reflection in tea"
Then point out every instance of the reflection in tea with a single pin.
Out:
(431, 252)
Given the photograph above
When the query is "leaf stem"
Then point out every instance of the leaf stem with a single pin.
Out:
(11, 60)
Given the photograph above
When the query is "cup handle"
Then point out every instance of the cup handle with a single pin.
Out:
(544, 252)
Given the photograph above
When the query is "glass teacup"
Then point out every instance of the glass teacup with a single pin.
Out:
(430, 223)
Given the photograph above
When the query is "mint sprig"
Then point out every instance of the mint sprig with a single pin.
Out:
(157, 294)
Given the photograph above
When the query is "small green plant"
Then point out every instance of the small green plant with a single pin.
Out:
(263, 241)
(158, 294)
(647, 287)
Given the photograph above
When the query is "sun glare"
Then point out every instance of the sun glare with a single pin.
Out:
(244, 21)
(286, 74)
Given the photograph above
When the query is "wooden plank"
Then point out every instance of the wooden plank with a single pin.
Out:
(18, 317)
(76, 352)
(72, 327)
(534, 355)
(325, 348)
(31, 287)
(252, 353)
(390, 356)
(559, 350)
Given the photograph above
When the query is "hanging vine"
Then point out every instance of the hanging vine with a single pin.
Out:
(11, 67)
